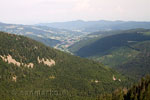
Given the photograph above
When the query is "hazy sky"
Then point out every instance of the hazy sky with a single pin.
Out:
(37, 11)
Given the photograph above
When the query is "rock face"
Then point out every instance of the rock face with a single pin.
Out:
(14, 78)
(114, 78)
(48, 62)
(96, 81)
(9, 59)
(52, 77)
(30, 65)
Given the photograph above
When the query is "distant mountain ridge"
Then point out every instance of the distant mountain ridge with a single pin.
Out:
(93, 26)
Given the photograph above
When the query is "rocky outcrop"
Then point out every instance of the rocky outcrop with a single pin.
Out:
(48, 62)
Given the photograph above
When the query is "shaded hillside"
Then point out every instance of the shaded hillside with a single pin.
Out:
(95, 36)
(104, 45)
(46, 41)
(140, 65)
(127, 52)
(133, 61)
(28, 69)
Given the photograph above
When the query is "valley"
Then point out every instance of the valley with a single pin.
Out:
(62, 35)
(53, 37)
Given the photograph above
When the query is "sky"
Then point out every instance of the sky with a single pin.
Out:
(45, 11)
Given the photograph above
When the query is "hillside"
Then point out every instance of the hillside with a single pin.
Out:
(140, 91)
(127, 51)
(95, 36)
(139, 66)
(38, 33)
(31, 70)
(53, 37)
(106, 44)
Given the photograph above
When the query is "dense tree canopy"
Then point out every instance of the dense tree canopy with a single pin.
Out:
(71, 77)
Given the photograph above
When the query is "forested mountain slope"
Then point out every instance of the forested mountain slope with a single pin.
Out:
(140, 91)
(104, 45)
(139, 66)
(31, 70)
(127, 52)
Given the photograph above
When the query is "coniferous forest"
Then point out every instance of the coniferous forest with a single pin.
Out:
(31, 70)
(70, 77)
